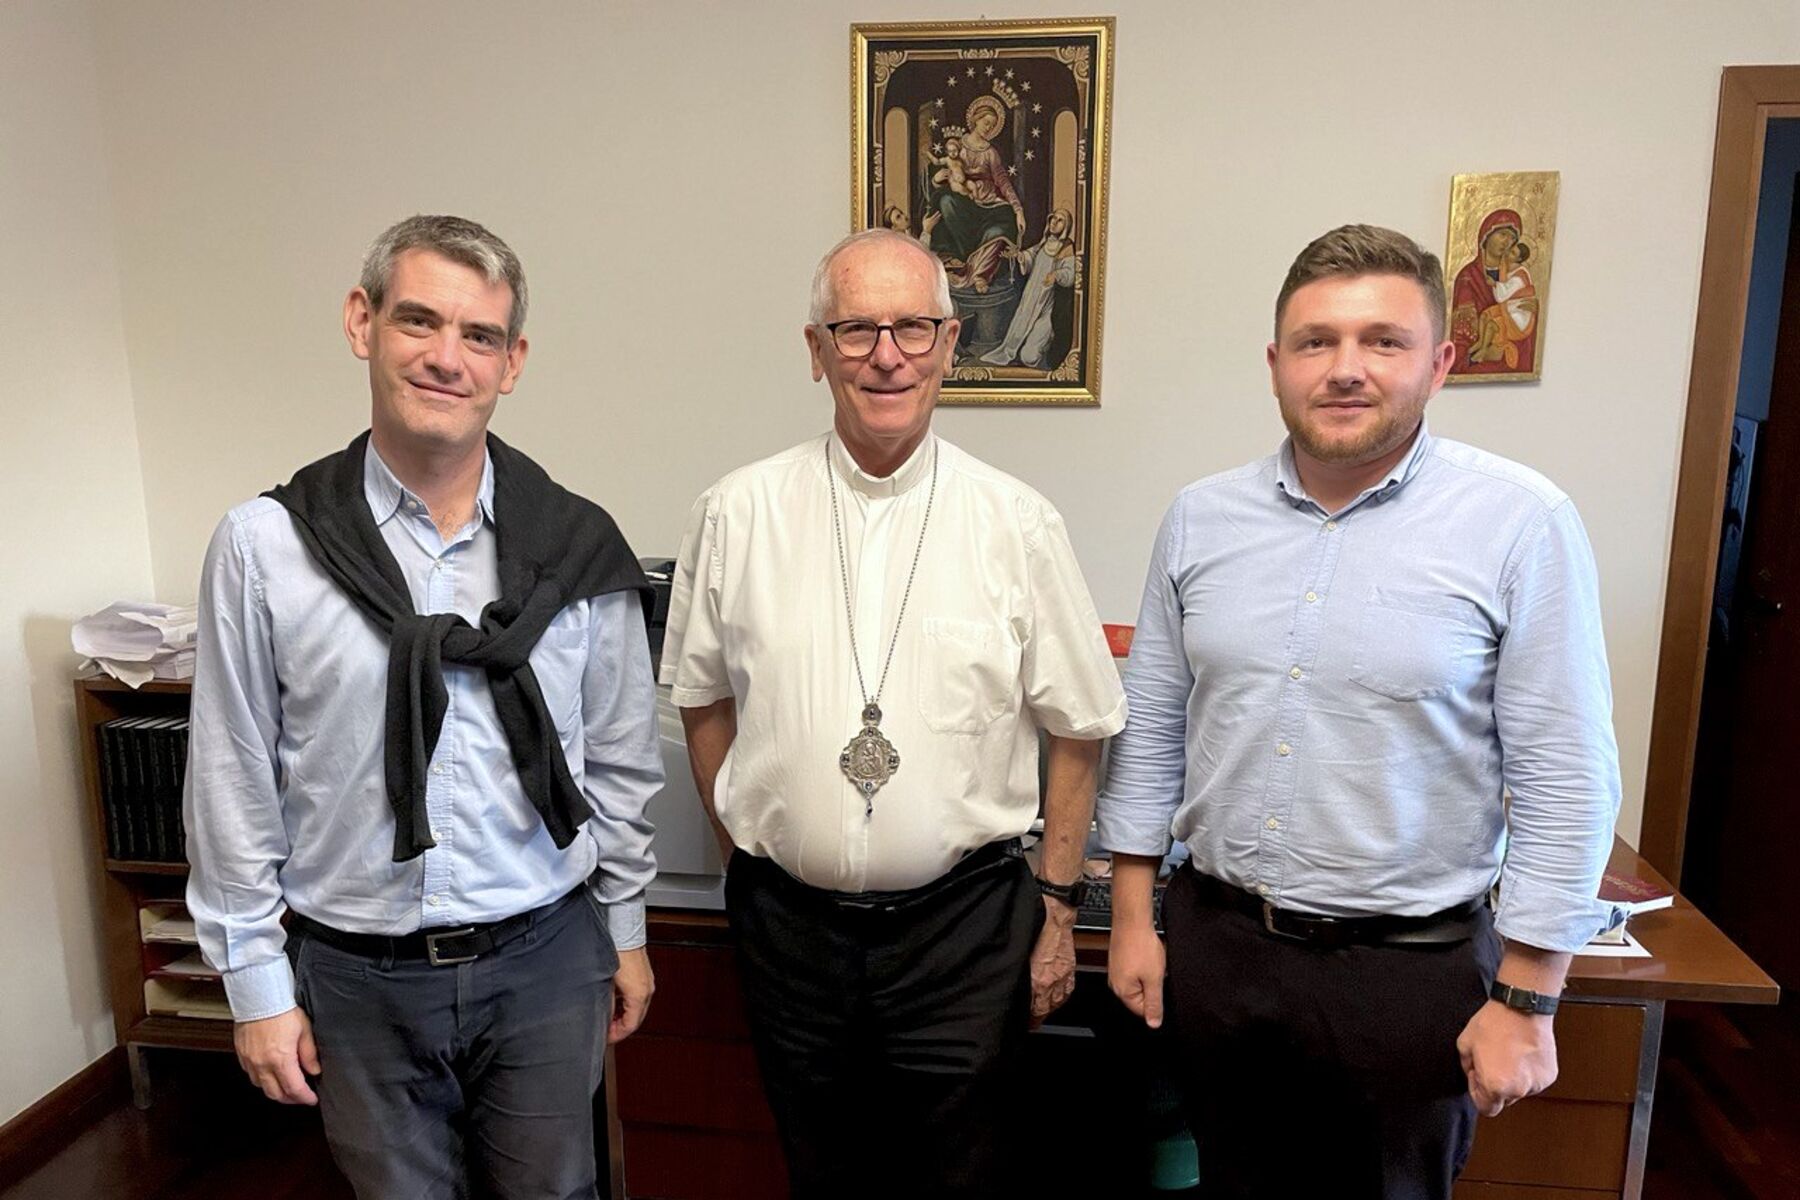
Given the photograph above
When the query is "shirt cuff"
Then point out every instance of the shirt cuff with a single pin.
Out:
(625, 922)
(1122, 827)
(1548, 917)
(264, 990)
(688, 697)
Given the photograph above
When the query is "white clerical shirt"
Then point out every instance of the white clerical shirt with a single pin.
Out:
(999, 638)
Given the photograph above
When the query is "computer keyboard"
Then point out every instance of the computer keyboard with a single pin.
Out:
(1096, 907)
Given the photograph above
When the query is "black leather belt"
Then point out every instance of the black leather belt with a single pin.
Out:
(439, 947)
(1456, 924)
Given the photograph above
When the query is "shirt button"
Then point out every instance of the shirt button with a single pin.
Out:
(1272, 823)
(1262, 889)
(1294, 672)
(434, 901)
(437, 835)
(1331, 524)
(1312, 597)
(1284, 749)
(439, 768)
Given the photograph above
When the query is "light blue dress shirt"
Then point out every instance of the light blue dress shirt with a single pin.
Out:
(286, 803)
(1329, 709)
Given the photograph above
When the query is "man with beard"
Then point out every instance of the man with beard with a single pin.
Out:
(1349, 655)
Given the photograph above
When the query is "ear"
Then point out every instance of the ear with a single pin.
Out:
(948, 336)
(515, 363)
(1440, 371)
(816, 350)
(359, 318)
(1271, 354)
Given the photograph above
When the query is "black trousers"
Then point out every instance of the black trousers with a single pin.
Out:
(889, 1034)
(1321, 1072)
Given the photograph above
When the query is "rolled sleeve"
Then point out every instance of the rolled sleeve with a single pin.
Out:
(693, 658)
(1071, 685)
(1553, 712)
(623, 761)
(1147, 767)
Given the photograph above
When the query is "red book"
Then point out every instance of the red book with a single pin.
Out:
(1634, 894)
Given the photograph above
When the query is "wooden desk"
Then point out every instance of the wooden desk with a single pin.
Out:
(690, 1122)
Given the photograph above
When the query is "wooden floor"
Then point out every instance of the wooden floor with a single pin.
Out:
(1726, 1126)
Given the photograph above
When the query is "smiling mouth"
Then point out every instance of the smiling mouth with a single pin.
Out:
(434, 390)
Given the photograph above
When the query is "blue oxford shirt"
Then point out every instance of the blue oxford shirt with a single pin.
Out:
(285, 800)
(1331, 709)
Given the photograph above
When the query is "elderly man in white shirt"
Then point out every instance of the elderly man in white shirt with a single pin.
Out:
(867, 633)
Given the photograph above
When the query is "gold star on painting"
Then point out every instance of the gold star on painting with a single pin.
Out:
(990, 72)
(952, 81)
(1030, 154)
(1036, 108)
(1012, 170)
(1034, 129)
(971, 72)
(937, 148)
(934, 125)
(939, 102)
(1026, 85)
(1009, 73)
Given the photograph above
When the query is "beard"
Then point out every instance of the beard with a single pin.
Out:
(1396, 417)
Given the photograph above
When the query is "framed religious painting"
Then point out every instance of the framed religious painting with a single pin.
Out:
(987, 141)
(1497, 268)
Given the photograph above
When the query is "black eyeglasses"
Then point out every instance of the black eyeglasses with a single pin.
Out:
(912, 335)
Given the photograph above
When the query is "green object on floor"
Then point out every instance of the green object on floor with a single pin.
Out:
(1174, 1163)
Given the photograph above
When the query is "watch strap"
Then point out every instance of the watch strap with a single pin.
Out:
(1524, 999)
(1070, 894)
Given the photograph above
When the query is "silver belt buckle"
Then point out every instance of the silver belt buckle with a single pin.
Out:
(1269, 924)
(439, 960)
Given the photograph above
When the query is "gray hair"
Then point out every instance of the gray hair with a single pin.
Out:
(456, 238)
(822, 298)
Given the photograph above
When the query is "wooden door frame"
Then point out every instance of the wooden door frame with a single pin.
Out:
(1748, 98)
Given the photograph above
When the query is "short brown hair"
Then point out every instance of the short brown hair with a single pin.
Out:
(458, 239)
(1351, 250)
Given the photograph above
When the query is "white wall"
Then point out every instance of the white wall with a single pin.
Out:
(669, 172)
(73, 535)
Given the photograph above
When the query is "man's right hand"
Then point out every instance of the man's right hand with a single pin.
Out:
(1134, 969)
(277, 1053)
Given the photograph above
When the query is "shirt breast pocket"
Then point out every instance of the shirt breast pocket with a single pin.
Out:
(1415, 645)
(559, 660)
(968, 675)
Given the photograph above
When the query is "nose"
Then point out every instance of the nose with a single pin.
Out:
(886, 355)
(1347, 370)
(443, 352)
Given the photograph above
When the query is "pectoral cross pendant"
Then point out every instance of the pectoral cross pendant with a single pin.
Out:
(869, 760)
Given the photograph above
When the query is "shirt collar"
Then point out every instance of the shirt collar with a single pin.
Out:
(387, 495)
(904, 478)
(1287, 473)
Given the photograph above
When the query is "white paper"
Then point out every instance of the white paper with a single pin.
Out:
(137, 641)
(1629, 948)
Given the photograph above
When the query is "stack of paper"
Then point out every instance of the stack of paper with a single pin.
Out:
(136, 641)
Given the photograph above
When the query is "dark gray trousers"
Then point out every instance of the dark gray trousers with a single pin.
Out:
(440, 1083)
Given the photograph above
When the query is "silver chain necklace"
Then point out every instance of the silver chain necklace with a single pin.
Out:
(870, 760)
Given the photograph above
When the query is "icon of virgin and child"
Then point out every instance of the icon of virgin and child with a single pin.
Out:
(1493, 303)
(1013, 297)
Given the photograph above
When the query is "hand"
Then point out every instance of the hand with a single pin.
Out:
(1507, 1055)
(1135, 964)
(1053, 961)
(275, 1051)
(633, 985)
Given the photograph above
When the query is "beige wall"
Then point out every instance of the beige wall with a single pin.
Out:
(74, 538)
(669, 173)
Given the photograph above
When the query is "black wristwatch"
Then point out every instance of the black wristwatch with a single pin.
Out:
(1523, 999)
(1070, 894)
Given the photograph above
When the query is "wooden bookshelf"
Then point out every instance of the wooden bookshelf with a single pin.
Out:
(131, 886)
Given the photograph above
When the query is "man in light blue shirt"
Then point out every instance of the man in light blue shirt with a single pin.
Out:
(1368, 680)
(423, 727)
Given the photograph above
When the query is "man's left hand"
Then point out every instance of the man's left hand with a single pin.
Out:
(632, 987)
(1507, 1056)
(1053, 961)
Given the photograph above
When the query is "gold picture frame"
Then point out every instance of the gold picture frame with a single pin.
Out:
(1497, 260)
(988, 141)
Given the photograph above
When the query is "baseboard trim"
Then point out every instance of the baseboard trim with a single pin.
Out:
(33, 1136)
